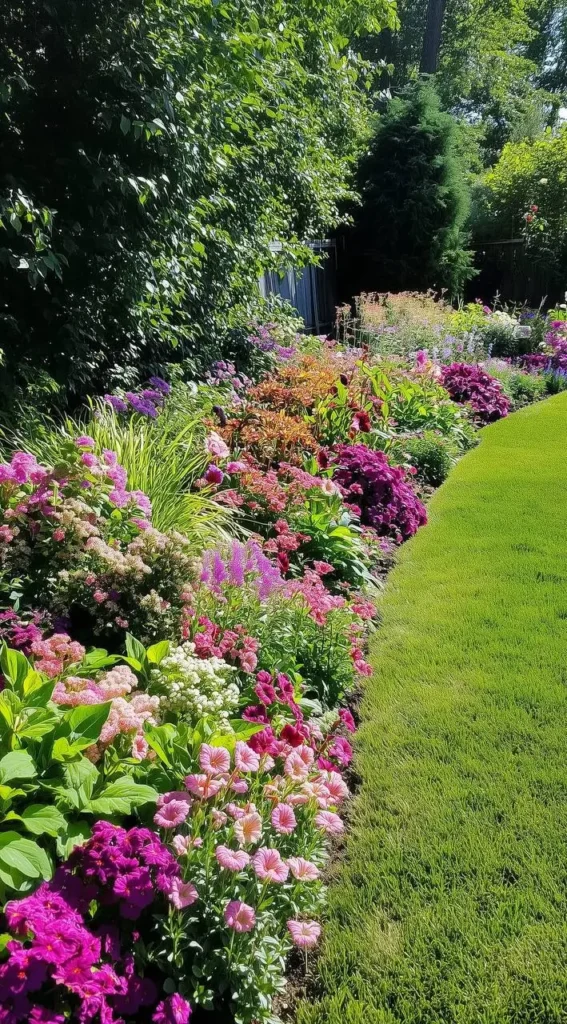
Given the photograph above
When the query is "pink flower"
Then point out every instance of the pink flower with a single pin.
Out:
(248, 829)
(140, 747)
(236, 467)
(182, 845)
(216, 446)
(100, 596)
(329, 822)
(231, 860)
(248, 661)
(269, 866)
(58, 534)
(240, 916)
(336, 786)
(245, 759)
(214, 475)
(172, 814)
(182, 894)
(239, 786)
(304, 933)
(203, 786)
(283, 819)
(341, 750)
(214, 760)
(346, 718)
(295, 768)
(218, 818)
(322, 568)
(303, 870)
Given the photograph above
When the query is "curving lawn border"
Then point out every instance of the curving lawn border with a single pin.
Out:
(451, 902)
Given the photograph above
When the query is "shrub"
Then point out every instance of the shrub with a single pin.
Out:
(466, 383)
(379, 490)
(521, 388)
(432, 455)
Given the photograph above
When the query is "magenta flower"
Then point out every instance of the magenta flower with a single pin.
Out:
(269, 866)
(346, 718)
(240, 916)
(304, 933)
(173, 1010)
(84, 441)
(283, 819)
(214, 475)
(341, 750)
(303, 870)
(182, 894)
(214, 760)
(231, 860)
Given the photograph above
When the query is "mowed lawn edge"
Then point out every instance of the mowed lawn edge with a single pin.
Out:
(450, 902)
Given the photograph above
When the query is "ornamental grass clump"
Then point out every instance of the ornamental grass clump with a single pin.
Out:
(469, 383)
(378, 490)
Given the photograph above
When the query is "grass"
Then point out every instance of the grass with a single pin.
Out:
(450, 905)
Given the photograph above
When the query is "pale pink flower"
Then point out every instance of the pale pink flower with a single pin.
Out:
(235, 811)
(182, 894)
(240, 916)
(306, 754)
(182, 844)
(295, 768)
(239, 786)
(218, 818)
(248, 829)
(140, 747)
(317, 791)
(203, 786)
(232, 860)
(216, 446)
(172, 814)
(267, 763)
(304, 933)
(248, 661)
(303, 870)
(336, 786)
(329, 822)
(214, 760)
(297, 799)
(283, 819)
(246, 759)
(269, 866)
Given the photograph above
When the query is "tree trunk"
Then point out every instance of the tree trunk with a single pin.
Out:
(432, 37)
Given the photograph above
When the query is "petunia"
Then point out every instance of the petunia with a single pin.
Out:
(231, 860)
(172, 814)
(214, 760)
(245, 759)
(303, 870)
(329, 822)
(269, 866)
(248, 829)
(240, 916)
(172, 1010)
(283, 819)
(203, 786)
(295, 768)
(304, 933)
(182, 894)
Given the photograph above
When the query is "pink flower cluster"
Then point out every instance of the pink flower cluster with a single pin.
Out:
(231, 644)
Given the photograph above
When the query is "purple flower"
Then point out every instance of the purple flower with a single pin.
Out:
(118, 404)
(142, 501)
(84, 441)
(160, 385)
(141, 405)
(173, 1010)
(214, 475)
(386, 501)
(39, 1015)
(467, 383)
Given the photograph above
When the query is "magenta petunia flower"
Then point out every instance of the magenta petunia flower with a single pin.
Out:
(240, 916)
(173, 1010)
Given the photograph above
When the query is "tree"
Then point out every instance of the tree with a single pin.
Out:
(410, 228)
(432, 36)
(150, 152)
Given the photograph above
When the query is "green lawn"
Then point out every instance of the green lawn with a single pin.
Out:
(451, 902)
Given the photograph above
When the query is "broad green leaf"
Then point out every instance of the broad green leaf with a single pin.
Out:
(17, 765)
(76, 834)
(81, 728)
(134, 649)
(121, 796)
(15, 666)
(36, 722)
(157, 652)
(40, 818)
(23, 856)
(81, 777)
(160, 739)
(10, 706)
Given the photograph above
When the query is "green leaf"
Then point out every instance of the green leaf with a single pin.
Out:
(121, 796)
(81, 728)
(135, 650)
(81, 777)
(76, 834)
(40, 818)
(36, 722)
(15, 666)
(160, 739)
(17, 765)
(21, 858)
(157, 652)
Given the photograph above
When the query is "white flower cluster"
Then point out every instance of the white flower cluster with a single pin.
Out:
(194, 687)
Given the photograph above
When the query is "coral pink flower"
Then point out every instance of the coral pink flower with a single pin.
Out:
(297, 799)
(306, 754)
(232, 860)
(303, 870)
(182, 894)
(182, 844)
(248, 661)
(248, 829)
(240, 916)
(283, 819)
(269, 866)
(317, 791)
(329, 822)
(172, 814)
(323, 568)
(295, 768)
(304, 933)
(246, 759)
(214, 760)
(203, 786)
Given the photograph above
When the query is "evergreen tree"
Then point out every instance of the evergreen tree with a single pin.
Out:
(415, 202)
